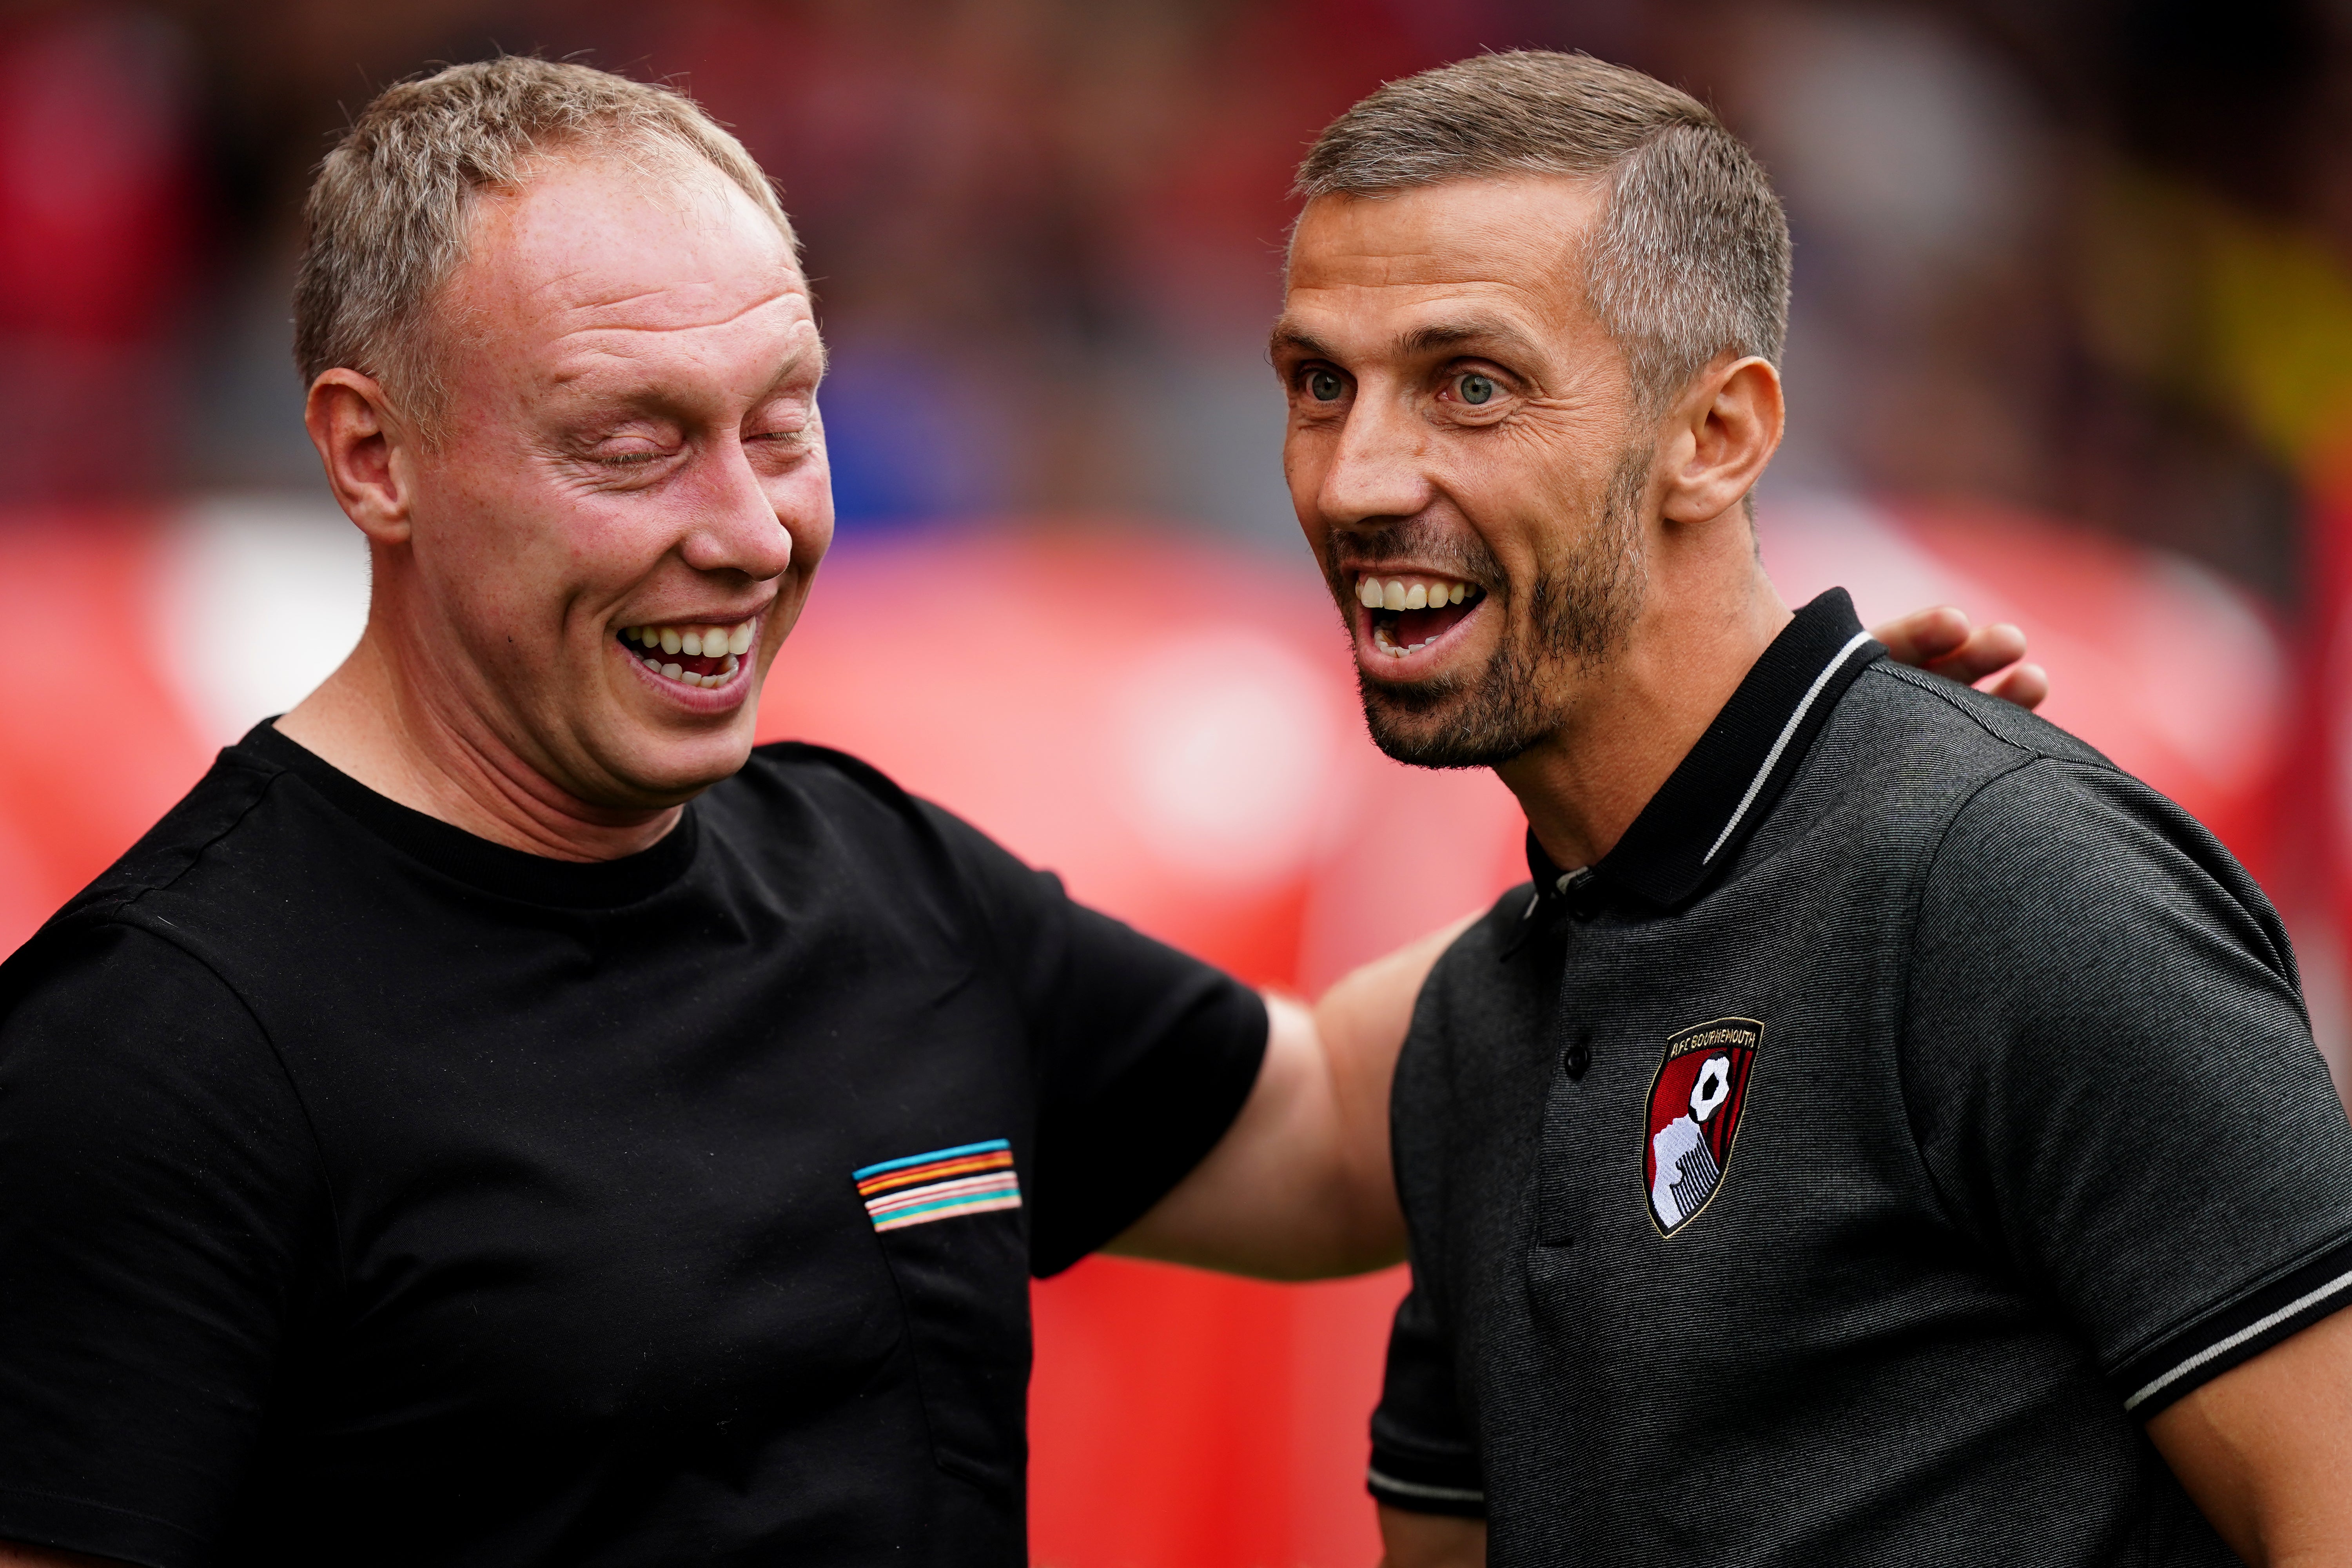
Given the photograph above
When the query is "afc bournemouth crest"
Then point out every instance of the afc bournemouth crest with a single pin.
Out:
(1695, 1104)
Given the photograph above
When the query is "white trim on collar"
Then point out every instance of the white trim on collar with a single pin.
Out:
(1756, 784)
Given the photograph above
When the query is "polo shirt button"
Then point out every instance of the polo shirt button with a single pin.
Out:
(1577, 1058)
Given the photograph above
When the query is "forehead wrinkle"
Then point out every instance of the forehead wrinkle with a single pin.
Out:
(596, 351)
(788, 292)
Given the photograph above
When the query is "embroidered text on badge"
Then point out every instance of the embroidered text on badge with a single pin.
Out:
(1696, 1099)
(971, 1178)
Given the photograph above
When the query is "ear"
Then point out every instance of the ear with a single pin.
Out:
(1720, 435)
(366, 448)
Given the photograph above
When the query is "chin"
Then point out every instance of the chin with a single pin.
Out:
(1449, 723)
(662, 770)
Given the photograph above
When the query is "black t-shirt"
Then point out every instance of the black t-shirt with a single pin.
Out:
(1909, 1106)
(372, 1193)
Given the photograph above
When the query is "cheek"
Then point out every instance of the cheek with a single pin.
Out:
(802, 499)
(1307, 455)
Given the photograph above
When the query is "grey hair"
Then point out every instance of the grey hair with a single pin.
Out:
(387, 217)
(1690, 260)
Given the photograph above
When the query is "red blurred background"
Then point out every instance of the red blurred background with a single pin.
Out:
(2073, 346)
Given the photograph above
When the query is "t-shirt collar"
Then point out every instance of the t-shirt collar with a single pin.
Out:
(492, 868)
(1729, 781)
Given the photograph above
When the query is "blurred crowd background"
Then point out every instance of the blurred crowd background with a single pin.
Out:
(2044, 245)
(2071, 342)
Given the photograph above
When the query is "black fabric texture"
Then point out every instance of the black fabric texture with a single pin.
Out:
(371, 1193)
(2034, 1116)
(1428, 1466)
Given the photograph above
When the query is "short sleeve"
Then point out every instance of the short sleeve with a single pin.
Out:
(1423, 1459)
(1144, 1055)
(2113, 1080)
(155, 1175)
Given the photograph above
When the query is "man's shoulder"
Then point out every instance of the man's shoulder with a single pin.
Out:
(799, 799)
(2002, 772)
(1908, 709)
(1905, 753)
(2004, 811)
(226, 807)
(195, 854)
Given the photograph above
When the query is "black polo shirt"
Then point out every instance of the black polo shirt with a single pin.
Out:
(372, 1193)
(1906, 1109)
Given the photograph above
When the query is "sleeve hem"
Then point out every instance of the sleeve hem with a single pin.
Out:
(74, 1524)
(1420, 1485)
(1219, 1089)
(2181, 1363)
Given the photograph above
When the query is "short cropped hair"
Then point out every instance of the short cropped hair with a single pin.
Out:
(387, 217)
(1690, 258)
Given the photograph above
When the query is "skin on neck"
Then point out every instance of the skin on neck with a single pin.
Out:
(1447, 376)
(631, 438)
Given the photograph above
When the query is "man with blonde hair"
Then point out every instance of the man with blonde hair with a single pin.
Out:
(501, 1116)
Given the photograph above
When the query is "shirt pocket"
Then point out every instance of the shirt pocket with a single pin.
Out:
(951, 1227)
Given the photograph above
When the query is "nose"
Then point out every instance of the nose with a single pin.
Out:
(735, 526)
(1378, 472)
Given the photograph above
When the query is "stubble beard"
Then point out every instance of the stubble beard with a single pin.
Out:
(1579, 618)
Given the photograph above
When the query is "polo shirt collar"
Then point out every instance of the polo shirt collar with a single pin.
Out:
(1728, 783)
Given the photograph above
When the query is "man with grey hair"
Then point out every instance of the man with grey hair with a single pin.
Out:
(1882, 1131)
(501, 1116)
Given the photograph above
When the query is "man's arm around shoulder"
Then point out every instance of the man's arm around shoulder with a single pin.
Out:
(1300, 1187)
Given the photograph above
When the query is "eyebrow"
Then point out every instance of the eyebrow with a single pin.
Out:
(1285, 336)
(1431, 338)
(1459, 334)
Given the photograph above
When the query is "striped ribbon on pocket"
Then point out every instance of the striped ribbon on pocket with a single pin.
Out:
(971, 1178)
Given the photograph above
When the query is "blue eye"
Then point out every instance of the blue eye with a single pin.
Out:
(1323, 385)
(1475, 388)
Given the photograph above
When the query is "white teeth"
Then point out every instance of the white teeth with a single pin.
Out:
(673, 670)
(694, 642)
(652, 664)
(733, 664)
(1373, 594)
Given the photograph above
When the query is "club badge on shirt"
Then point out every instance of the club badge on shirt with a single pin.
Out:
(946, 1183)
(1696, 1099)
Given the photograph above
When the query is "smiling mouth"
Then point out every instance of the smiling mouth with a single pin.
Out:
(694, 654)
(1412, 610)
